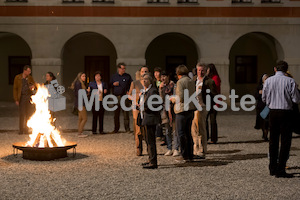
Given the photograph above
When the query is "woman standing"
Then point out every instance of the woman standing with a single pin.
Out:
(212, 114)
(262, 124)
(79, 83)
(168, 116)
(137, 86)
(49, 77)
(149, 119)
(101, 88)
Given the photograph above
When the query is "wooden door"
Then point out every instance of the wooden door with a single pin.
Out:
(97, 63)
(172, 62)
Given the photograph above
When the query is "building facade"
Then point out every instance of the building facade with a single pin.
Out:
(243, 38)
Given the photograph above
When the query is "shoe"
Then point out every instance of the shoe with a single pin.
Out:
(145, 163)
(272, 173)
(169, 153)
(176, 153)
(139, 153)
(266, 139)
(81, 135)
(94, 133)
(163, 144)
(212, 142)
(113, 132)
(199, 156)
(283, 175)
(181, 160)
(150, 166)
(102, 133)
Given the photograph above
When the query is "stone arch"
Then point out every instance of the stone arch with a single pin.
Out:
(168, 50)
(14, 54)
(252, 55)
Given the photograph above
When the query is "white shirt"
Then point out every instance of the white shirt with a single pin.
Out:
(100, 90)
(280, 92)
(142, 99)
(199, 84)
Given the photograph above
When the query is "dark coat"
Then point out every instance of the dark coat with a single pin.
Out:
(151, 117)
(93, 85)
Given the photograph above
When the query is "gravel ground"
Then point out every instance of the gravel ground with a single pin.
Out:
(106, 167)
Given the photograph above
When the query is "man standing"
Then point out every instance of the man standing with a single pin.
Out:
(184, 113)
(22, 91)
(279, 94)
(120, 83)
(199, 134)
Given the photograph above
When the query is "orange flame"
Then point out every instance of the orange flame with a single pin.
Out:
(44, 134)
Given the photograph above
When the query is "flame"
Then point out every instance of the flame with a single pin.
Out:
(44, 134)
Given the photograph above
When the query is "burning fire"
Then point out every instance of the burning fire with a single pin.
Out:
(44, 134)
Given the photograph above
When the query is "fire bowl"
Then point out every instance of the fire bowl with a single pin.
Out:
(46, 153)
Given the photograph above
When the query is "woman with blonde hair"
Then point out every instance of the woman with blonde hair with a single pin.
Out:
(79, 83)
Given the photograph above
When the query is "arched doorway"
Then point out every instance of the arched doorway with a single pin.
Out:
(14, 54)
(251, 56)
(169, 50)
(88, 52)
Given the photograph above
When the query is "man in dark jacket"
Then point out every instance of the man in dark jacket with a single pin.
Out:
(120, 83)
(150, 119)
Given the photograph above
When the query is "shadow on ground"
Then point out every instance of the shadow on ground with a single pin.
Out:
(216, 162)
(18, 158)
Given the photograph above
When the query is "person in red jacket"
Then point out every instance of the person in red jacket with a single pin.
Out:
(213, 74)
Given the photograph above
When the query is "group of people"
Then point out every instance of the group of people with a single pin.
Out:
(181, 126)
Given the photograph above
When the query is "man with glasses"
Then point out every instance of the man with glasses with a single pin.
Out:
(120, 83)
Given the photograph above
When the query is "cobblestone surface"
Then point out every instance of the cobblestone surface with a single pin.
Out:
(106, 167)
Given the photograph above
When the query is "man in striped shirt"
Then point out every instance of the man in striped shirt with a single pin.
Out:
(279, 94)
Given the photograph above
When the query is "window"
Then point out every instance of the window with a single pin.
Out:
(245, 69)
(158, 1)
(17, 1)
(241, 1)
(15, 66)
(187, 1)
(103, 1)
(270, 1)
(73, 1)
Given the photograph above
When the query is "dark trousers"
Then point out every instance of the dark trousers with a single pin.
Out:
(151, 144)
(212, 115)
(183, 125)
(125, 114)
(25, 111)
(280, 126)
(98, 115)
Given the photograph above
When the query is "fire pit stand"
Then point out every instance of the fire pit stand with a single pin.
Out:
(44, 154)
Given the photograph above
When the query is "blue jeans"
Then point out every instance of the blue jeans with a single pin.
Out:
(171, 136)
(183, 126)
